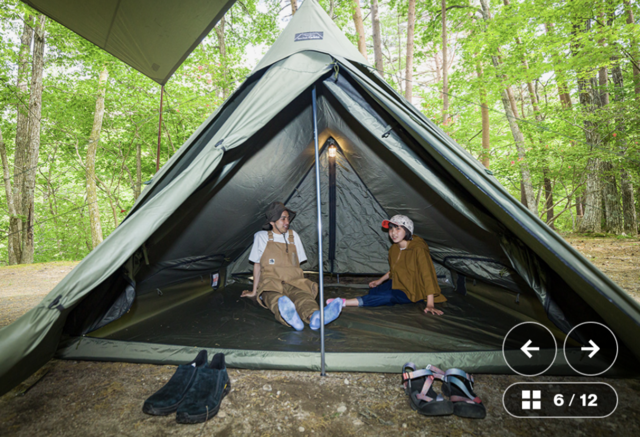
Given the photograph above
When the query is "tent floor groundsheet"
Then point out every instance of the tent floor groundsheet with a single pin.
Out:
(221, 319)
(469, 336)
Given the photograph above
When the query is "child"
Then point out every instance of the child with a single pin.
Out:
(278, 281)
(411, 277)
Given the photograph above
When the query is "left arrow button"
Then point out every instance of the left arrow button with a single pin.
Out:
(527, 348)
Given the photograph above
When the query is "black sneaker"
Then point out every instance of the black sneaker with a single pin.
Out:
(168, 398)
(203, 399)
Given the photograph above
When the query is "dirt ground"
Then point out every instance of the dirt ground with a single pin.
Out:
(97, 398)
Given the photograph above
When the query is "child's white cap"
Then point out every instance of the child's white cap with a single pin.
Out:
(399, 220)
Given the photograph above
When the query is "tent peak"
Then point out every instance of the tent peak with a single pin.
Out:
(311, 29)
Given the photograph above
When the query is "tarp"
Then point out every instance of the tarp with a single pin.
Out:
(198, 217)
(152, 36)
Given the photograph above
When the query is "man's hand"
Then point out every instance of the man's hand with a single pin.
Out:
(248, 293)
(433, 310)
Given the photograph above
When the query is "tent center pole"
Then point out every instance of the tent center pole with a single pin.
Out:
(159, 130)
(332, 204)
(318, 203)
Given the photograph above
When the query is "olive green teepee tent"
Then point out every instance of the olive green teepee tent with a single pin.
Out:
(168, 280)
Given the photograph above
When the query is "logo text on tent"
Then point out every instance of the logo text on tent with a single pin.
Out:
(306, 36)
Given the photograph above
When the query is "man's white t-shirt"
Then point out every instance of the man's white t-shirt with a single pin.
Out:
(261, 238)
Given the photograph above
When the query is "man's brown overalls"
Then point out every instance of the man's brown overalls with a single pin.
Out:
(281, 275)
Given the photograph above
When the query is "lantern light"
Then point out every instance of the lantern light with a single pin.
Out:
(332, 151)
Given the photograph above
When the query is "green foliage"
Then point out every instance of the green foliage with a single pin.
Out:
(564, 44)
(561, 43)
(72, 67)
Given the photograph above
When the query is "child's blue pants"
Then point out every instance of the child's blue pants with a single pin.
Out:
(383, 295)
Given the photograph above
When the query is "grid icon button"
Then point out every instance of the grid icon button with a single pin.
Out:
(531, 399)
(536, 394)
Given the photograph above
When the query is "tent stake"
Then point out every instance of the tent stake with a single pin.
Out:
(320, 260)
(159, 130)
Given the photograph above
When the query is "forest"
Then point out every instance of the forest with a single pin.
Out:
(545, 93)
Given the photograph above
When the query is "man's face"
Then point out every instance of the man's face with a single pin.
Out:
(396, 233)
(283, 222)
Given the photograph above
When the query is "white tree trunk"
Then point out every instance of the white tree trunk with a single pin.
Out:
(22, 136)
(484, 111)
(377, 36)
(33, 149)
(223, 55)
(138, 184)
(14, 235)
(511, 113)
(358, 21)
(445, 72)
(92, 148)
(411, 26)
(626, 185)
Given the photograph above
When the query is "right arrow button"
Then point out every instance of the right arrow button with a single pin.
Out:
(594, 348)
(590, 348)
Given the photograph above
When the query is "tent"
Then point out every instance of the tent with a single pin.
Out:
(152, 36)
(167, 281)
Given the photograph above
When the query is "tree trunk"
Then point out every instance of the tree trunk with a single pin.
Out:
(138, 185)
(33, 148)
(589, 101)
(634, 51)
(358, 20)
(510, 97)
(408, 75)
(613, 213)
(626, 185)
(610, 196)
(592, 219)
(592, 214)
(223, 54)
(536, 109)
(399, 47)
(523, 195)
(377, 36)
(445, 72)
(484, 111)
(294, 6)
(14, 232)
(548, 195)
(579, 207)
(332, 7)
(92, 148)
(22, 134)
(602, 86)
(522, 158)
(563, 90)
(511, 114)
(628, 204)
